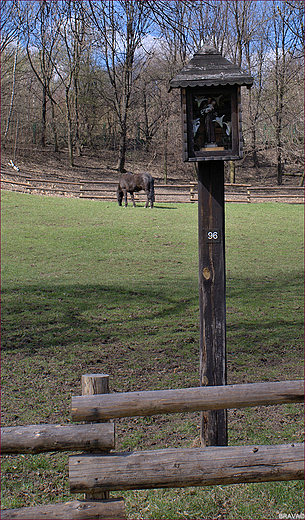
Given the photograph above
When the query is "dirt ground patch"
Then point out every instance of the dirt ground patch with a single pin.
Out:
(101, 166)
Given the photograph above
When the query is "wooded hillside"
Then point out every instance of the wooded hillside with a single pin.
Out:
(94, 75)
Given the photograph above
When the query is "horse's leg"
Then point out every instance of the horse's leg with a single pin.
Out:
(147, 202)
(151, 192)
(125, 198)
(119, 195)
(132, 198)
(151, 200)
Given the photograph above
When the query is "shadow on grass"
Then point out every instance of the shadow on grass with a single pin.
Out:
(262, 317)
(156, 206)
(265, 321)
(35, 317)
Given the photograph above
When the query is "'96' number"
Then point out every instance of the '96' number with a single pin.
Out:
(213, 235)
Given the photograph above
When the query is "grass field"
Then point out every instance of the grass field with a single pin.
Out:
(88, 286)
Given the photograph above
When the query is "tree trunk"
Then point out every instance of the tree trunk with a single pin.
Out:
(54, 129)
(122, 150)
(253, 146)
(148, 137)
(232, 171)
(279, 168)
(43, 117)
(13, 92)
(76, 108)
(69, 129)
(165, 150)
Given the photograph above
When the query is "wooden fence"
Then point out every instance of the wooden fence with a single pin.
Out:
(98, 437)
(98, 473)
(175, 193)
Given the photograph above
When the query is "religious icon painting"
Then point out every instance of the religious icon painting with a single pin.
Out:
(212, 124)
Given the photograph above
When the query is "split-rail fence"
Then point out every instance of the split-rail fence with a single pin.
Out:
(101, 470)
(174, 193)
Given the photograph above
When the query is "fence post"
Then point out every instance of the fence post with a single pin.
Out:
(191, 192)
(93, 384)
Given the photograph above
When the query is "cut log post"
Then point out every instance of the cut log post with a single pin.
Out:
(54, 437)
(95, 384)
(170, 468)
(131, 404)
(74, 510)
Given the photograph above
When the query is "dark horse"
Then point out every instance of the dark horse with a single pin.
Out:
(130, 183)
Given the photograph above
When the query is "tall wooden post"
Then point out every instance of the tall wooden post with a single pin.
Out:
(210, 88)
(212, 303)
(93, 384)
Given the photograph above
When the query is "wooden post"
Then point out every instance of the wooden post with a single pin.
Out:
(212, 307)
(93, 384)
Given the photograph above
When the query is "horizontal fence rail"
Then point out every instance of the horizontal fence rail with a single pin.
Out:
(292, 194)
(130, 404)
(54, 437)
(186, 467)
(73, 510)
(106, 190)
(98, 473)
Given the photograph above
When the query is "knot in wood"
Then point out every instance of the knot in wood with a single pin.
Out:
(206, 273)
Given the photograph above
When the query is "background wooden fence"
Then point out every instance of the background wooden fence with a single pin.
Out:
(97, 473)
(106, 190)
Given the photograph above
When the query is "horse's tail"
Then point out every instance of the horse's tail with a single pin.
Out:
(152, 189)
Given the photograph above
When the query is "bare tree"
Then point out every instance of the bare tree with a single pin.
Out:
(77, 15)
(71, 31)
(209, 24)
(104, 66)
(120, 28)
(10, 32)
(10, 24)
(295, 24)
(41, 30)
(175, 23)
(286, 66)
(13, 89)
(255, 49)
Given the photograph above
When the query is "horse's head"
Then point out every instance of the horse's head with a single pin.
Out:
(119, 195)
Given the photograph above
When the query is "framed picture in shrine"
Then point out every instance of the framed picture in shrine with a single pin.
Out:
(211, 123)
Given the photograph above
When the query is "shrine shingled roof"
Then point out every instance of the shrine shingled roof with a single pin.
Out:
(209, 68)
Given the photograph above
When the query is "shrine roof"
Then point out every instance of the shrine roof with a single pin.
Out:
(209, 68)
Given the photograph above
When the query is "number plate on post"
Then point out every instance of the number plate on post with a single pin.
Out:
(213, 235)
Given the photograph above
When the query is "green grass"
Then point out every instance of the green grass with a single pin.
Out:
(88, 286)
